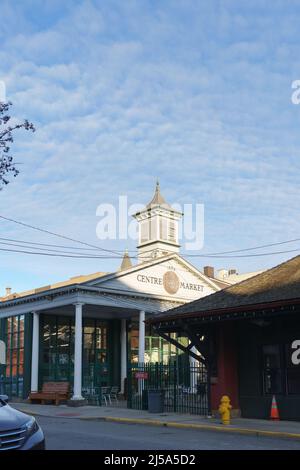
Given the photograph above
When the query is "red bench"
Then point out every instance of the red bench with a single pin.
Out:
(52, 391)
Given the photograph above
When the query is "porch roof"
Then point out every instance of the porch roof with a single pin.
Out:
(122, 304)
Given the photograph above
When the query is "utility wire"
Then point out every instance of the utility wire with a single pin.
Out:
(58, 235)
(118, 254)
(248, 249)
(187, 255)
(21, 245)
(35, 245)
(48, 244)
(63, 255)
(82, 256)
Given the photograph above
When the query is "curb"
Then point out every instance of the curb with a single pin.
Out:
(203, 427)
(169, 424)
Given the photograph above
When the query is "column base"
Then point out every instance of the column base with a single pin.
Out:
(77, 401)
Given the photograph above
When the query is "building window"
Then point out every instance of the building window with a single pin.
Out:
(167, 230)
(58, 350)
(95, 367)
(14, 371)
(172, 231)
(280, 374)
(145, 235)
(157, 349)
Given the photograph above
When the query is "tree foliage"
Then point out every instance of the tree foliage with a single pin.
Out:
(7, 164)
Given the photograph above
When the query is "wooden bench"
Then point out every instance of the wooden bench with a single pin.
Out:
(52, 391)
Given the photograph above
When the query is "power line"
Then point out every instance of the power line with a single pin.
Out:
(63, 255)
(82, 256)
(119, 255)
(47, 244)
(247, 256)
(204, 255)
(247, 249)
(21, 245)
(58, 235)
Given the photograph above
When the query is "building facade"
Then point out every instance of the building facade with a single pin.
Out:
(86, 329)
(250, 341)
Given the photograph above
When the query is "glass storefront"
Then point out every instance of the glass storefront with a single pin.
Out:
(14, 369)
(95, 354)
(156, 348)
(57, 346)
(100, 352)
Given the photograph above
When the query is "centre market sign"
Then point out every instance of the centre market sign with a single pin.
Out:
(296, 354)
(170, 281)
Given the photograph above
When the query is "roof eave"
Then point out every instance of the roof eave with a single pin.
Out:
(223, 311)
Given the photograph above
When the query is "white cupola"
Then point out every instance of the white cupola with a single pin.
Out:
(158, 228)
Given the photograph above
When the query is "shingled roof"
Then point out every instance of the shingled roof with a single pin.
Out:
(280, 283)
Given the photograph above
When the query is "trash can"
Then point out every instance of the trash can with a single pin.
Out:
(156, 401)
(145, 400)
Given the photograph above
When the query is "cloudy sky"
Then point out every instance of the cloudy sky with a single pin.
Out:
(195, 93)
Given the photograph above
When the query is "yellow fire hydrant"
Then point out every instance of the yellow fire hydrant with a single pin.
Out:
(224, 409)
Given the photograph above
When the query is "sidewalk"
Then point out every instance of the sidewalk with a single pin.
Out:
(257, 427)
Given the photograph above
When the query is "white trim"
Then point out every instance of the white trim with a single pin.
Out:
(155, 262)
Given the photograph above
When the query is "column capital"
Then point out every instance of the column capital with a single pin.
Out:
(78, 303)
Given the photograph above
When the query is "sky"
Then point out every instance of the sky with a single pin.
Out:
(195, 93)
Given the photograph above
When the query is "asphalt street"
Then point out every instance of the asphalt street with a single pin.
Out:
(75, 434)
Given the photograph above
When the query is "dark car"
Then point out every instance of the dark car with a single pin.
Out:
(18, 431)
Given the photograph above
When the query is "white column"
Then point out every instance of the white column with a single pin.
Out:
(35, 353)
(78, 353)
(123, 339)
(193, 371)
(142, 336)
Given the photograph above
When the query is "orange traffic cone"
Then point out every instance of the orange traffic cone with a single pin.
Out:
(274, 409)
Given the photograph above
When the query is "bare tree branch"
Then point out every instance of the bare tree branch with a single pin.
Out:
(7, 164)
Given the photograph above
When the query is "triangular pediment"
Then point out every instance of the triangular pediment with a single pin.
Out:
(170, 276)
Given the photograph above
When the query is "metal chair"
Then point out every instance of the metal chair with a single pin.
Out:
(92, 395)
(105, 395)
(114, 393)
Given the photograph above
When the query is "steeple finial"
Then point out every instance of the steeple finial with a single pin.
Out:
(126, 261)
(157, 199)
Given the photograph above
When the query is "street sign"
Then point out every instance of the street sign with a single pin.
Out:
(141, 375)
(2, 353)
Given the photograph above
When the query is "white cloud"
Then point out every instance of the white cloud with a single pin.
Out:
(122, 95)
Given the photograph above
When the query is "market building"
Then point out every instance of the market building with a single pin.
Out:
(86, 329)
(247, 336)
